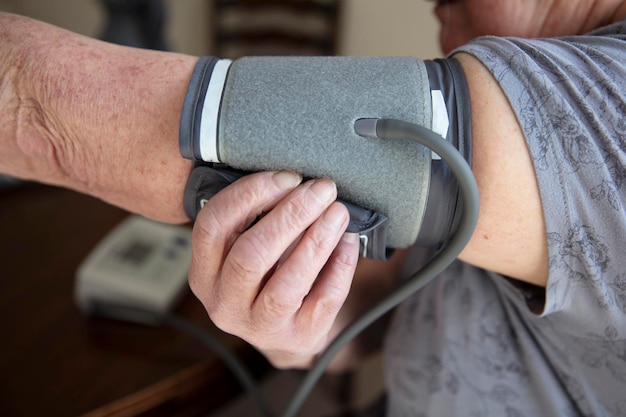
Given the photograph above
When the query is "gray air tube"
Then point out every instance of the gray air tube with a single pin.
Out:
(299, 113)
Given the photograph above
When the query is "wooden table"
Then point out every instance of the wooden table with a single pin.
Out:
(56, 362)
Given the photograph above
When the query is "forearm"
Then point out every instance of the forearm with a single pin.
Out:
(91, 116)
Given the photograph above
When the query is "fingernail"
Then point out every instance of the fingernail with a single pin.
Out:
(335, 216)
(326, 191)
(351, 238)
(286, 180)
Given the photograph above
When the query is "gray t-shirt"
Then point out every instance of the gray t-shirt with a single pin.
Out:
(473, 343)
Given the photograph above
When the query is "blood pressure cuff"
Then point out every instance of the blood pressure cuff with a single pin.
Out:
(298, 113)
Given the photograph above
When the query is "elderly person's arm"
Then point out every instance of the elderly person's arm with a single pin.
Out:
(92, 116)
(103, 119)
(290, 299)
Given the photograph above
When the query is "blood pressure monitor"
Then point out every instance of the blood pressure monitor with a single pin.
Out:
(140, 264)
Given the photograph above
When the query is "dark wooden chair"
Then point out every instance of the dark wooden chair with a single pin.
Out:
(275, 27)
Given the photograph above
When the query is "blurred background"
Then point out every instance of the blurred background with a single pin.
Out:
(367, 27)
(54, 360)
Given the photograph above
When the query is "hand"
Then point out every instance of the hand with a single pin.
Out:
(280, 283)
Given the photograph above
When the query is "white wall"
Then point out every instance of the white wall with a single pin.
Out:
(370, 27)
(390, 27)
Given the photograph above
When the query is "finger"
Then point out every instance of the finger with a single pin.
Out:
(329, 293)
(258, 250)
(283, 295)
(226, 216)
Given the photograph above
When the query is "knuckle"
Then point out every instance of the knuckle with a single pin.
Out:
(226, 316)
(332, 303)
(323, 316)
(225, 310)
(320, 242)
(222, 319)
(206, 229)
(274, 307)
(325, 310)
(254, 191)
(347, 261)
(298, 214)
(241, 268)
(248, 258)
